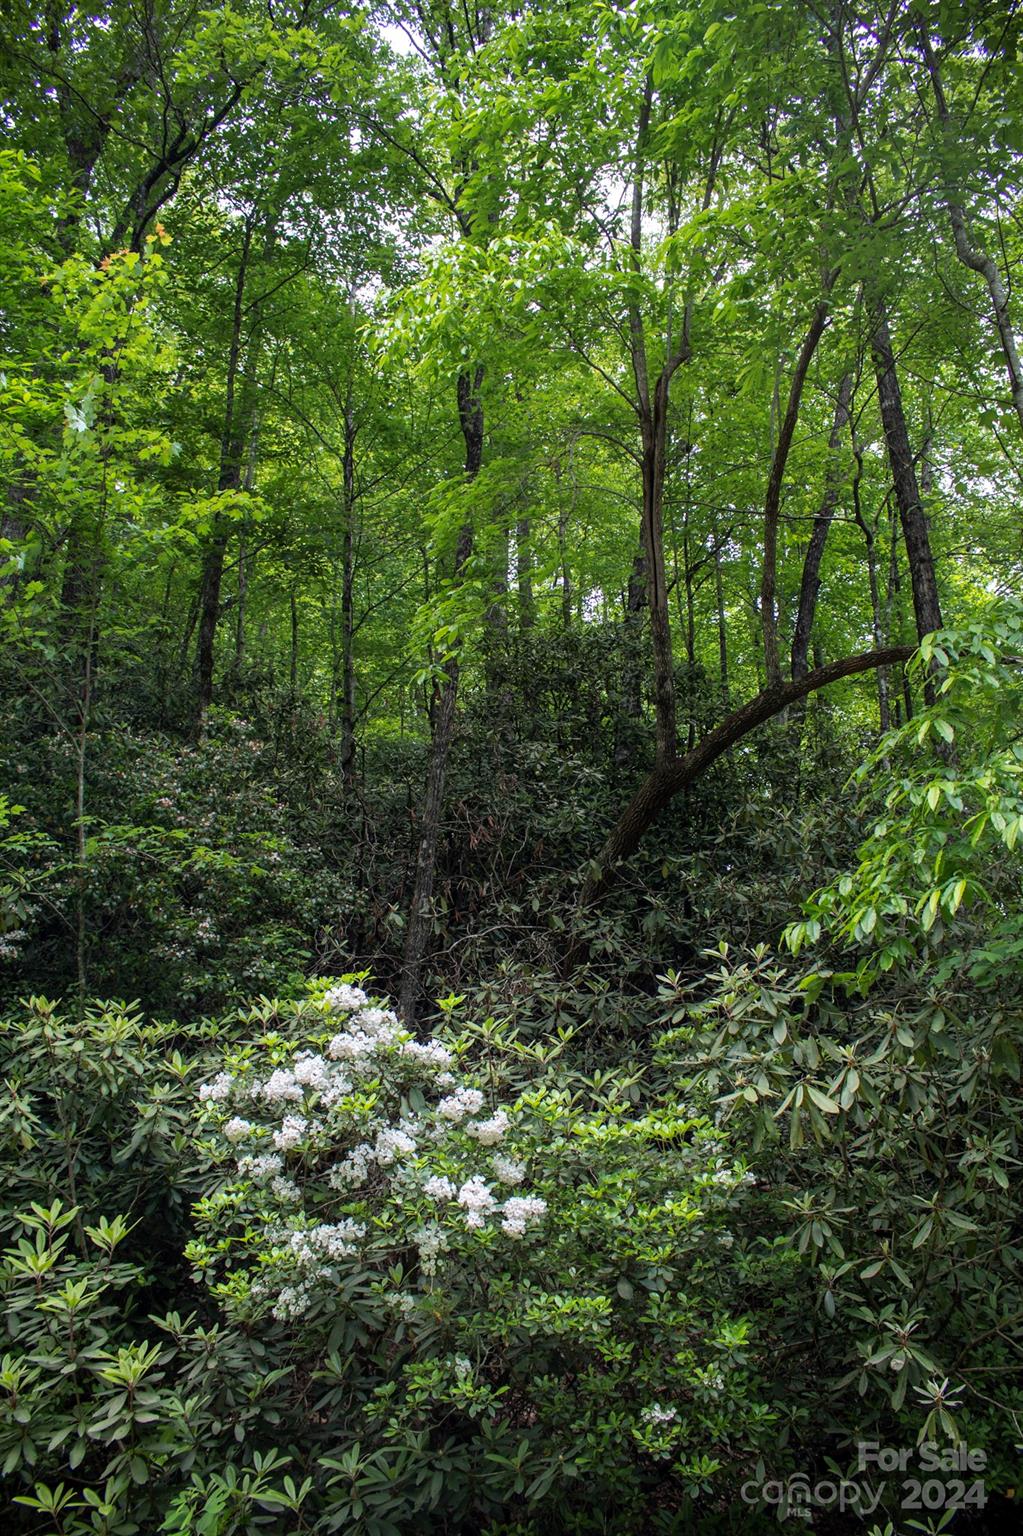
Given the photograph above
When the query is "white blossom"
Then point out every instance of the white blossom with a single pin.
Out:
(431, 1242)
(261, 1167)
(489, 1132)
(292, 1302)
(345, 998)
(477, 1201)
(389, 1143)
(237, 1129)
(311, 1071)
(376, 1021)
(286, 1190)
(354, 1168)
(281, 1087)
(464, 1101)
(439, 1187)
(507, 1170)
(520, 1212)
(218, 1089)
(428, 1054)
(326, 1243)
(293, 1129)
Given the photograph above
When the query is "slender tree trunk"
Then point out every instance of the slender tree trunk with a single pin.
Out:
(12, 529)
(229, 478)
(655, 428)
(566, 570)
(631, 699)
(524, 564)
(293, 662)
(348, 601)
(969, 253)
(895, 618)
(772, 497)
(652, 411)
(470, 416)
(244, 558)
(926, 604)
(719, 598)
(810, 584)
(243, 590)
(879, 621)
(689, 608)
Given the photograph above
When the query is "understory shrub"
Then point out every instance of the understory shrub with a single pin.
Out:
(873, 1075)
(430, 1284)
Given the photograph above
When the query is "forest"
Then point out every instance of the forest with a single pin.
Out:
(511, 782)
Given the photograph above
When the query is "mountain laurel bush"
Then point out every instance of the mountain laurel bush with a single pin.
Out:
(400, 1284)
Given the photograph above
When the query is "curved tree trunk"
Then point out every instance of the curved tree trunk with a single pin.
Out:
(667, 779)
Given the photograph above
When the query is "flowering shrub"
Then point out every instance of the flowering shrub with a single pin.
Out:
(453, 1283)
(479, 1270)
(372, 1146)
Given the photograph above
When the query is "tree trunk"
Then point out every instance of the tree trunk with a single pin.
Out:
(970, 254)
(652, 411)
(926, 604)
(880, 621)
(772, 497)
(293, 661)
(810, 584)
(470, 416)
(667, 779)
(232, 449)
(239, 627)
(719, 598)
(524, 566)
(12, 530)
(630, 705)
(348, 601)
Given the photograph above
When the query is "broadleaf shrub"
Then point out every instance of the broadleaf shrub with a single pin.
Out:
(470, 1295)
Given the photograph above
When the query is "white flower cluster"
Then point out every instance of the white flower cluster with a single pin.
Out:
(218, 1089)
(520, 1212)
(731, 1177)
(489, 1132)
(507, 1170)
(292, 1132)
(346, 999)
(439, 1187)
(478, 1201)
(328, 1137)
(465, 1101)
(659, 1413)
(326, 1243)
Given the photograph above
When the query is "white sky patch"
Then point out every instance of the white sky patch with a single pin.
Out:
(398, 39)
